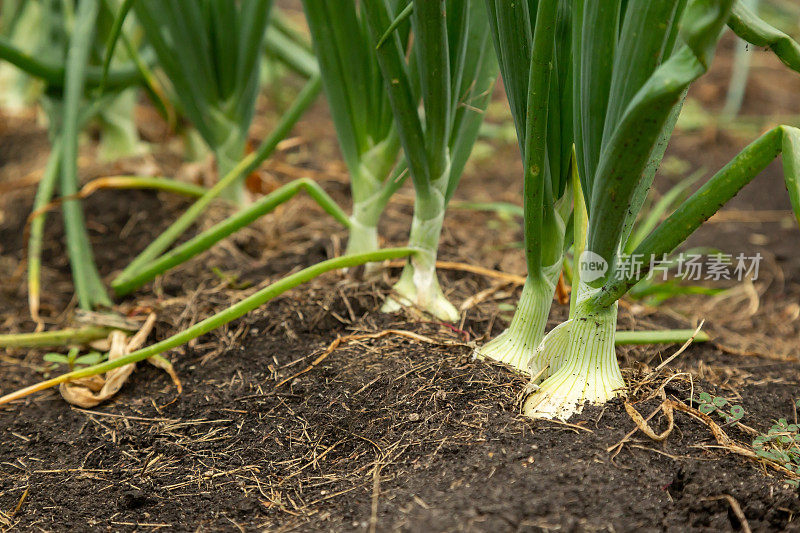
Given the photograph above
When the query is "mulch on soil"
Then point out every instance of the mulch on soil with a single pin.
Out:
(388, 432)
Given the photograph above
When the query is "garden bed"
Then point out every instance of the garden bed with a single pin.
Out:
(389, 432)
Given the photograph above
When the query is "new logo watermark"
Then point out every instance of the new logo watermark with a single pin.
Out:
(593, 266)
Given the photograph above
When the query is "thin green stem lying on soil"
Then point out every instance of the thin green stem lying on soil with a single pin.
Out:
(667, 336)
(157, 183)
(223, 317)
(64, 337)
(244, 167)
(244, 217)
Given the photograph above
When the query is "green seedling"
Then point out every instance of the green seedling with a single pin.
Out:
(781, 445)
(73, 360)
(730, 413)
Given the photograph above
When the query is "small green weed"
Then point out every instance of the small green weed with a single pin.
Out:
(730, 413)
(781, 445)
(73, 358)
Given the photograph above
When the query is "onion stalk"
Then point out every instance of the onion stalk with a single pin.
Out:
(89, 287)
(361, 112)
(534, 52)
(437, 96)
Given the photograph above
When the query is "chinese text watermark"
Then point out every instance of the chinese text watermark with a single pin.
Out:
(686, 266)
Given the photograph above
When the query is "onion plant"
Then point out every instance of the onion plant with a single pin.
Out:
(437, 95)
(537, 75)
(89, 287)
(65, 54)
(633, 62)
(211, 50)
(360, 109)
(42, 29)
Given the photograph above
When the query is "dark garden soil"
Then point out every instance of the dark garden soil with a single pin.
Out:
(271, 432)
